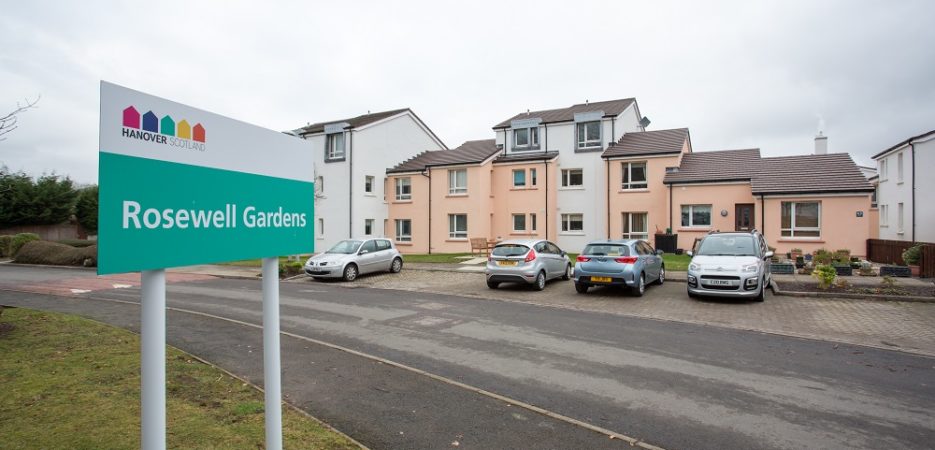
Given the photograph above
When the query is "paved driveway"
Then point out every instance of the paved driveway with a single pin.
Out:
(905, 326)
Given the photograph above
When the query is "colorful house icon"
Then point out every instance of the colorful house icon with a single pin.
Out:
(131, 118)
(184, 130)
(150, 122)
(167, 126)
(198, 133)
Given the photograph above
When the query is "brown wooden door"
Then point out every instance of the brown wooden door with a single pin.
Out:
(743, 217)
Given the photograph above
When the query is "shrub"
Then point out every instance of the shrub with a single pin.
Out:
(823, 256)
(913, 255)
(843, 256)
(53, 253)
(825, 275)
(290, 269)
(19, 240)
(86, 208)
(888, 282)
(5, 242)
(77, 242)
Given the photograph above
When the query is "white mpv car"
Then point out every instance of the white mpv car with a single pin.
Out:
(730, 264)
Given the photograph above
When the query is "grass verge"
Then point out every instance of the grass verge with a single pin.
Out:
(68, 382)
(676, 263)
(259, 262)
(451, 258)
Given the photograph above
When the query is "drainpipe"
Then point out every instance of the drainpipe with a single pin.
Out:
(763, 216)
(350, 190)
(912, 149)
(429, 176)
(607, 178)
(546, 199)
(670, 208)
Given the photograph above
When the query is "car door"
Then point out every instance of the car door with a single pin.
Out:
(651, 261)
(548, 264)
(385, 256)
(559, 259)
(367, 257)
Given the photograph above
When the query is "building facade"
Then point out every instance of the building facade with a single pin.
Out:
(351, 188)
(905, 211)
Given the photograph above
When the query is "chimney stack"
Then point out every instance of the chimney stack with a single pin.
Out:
(821, 144)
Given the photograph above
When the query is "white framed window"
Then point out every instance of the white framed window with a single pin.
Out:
(696, 215)
(519, 222)
(368, 184)
(519, 177)
(572, 177)
(884, 174)
(403, 188)
(636, 225)
(457, 226)
(884, 216)
(526, 138)
(899, 168)
(899, 217)
(321, 228)
(320, 184)
(532, 177)
(334, 146)
(634, 175)
(800, 219)
(589, 134)
(368, 227)
(403, 230)
(572, 223)
(532, 222)
(873, 196)
(457, 181)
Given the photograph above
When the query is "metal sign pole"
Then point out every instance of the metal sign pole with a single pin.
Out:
(271, 367)
(153, 360)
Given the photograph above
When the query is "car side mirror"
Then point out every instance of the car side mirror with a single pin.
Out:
(768, 255)
(689, 253)
(564, 253)
(364, 252)
(659, 252)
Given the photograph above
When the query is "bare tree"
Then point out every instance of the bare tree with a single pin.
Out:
(8, 122)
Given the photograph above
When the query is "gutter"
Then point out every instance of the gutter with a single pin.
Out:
(912, 148)
(546, 162)
(429, 176)
(607, 165)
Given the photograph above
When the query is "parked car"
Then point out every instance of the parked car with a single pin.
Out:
(352, 257)
(530, 261)
(730, 264)
(627, 262)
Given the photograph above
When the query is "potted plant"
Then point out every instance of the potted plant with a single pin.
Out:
(912, 256)
(795, 253)
(799, 262)
(823, 256)
(825, 275)
(866, 270)
(842, 256)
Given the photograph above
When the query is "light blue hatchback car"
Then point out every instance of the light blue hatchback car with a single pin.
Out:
(629, 262)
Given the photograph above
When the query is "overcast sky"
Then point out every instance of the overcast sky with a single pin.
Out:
(739, 74)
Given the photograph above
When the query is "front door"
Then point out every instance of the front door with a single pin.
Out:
(743, 217)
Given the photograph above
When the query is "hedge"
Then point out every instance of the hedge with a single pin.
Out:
(53, 253)
(5, 245)
(21, 239)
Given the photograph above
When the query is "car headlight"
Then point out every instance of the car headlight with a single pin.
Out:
(749, 268)
(309, 261)
(693, 266)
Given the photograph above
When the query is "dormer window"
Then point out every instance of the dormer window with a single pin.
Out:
(526, 138)
(334, 146)
(589, 134)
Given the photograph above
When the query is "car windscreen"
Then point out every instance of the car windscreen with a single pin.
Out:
(606, 250)
(345, 247)
(510, 250)
(727, 246)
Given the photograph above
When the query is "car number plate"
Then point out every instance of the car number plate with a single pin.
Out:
(601, 279)
(718, 282)
(506, 263)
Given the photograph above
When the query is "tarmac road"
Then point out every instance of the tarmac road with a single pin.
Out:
(670, 384)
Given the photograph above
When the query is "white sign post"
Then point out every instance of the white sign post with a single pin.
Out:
(182, 186)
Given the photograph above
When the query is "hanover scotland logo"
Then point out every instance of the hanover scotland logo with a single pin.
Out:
(149, 127)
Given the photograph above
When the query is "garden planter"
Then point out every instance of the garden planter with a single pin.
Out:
(843, 270)
(914, 270)
(895, 271)
(781, 268)
(799, 262)
(667, 242)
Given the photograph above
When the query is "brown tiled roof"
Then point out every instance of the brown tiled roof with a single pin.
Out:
(531, 156)
(722, 165)
(354, 122)
(610, 108)
(804, 174)
(903, 143)
(470, 152)
(648, 143)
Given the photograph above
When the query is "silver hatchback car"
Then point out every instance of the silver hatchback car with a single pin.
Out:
(627, 262)
(352, 257)
(530, 261)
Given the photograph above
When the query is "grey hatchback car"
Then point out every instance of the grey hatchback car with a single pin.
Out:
(530, 261)
(630, 262)
(351, 257)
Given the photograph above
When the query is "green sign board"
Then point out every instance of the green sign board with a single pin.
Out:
(182, 186)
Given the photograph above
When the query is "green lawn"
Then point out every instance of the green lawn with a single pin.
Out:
(677, 263)
(436, 258)
(67, 382)
(259, 263)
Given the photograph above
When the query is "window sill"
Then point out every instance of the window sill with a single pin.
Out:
(333, 160)
(589, 149)
(320, 238)
(571, 233)
(403, 243)
(369, 194)
(531, 188)
(456, 195)
(900, 233)
(522, 233)
(572, 188)
(816, 240)
(633, 191)
(526, 148)
(456, 240)
(402, 201)
(899, 182)
(695, 229)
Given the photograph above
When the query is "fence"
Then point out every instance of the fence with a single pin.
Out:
(50, 232)
(891, 252)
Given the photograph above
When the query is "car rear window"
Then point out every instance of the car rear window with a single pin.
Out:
(606, 250)
(510, 250)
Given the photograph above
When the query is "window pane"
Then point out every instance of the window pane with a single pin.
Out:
(576, 177)
(594, 131)
(532, 177)
(534, 136)
(626, 224)
(625, 168)
(806, 215)
(519, 222)
(701, 215)
(639, 222)
(638, 172)
(685, 215)
(521, 137)
(519, 178)
(576, 222)
(786, 221)
(462, 178)
(532, 222)
(580, 133)
(803, 233)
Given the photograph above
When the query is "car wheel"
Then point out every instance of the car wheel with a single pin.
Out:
(581, 288)
(350, 272)
(397, 265)
(760, 296)
(640, 288)
(567, 274)
(540, 281)
(492, 284)
(662, 275)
